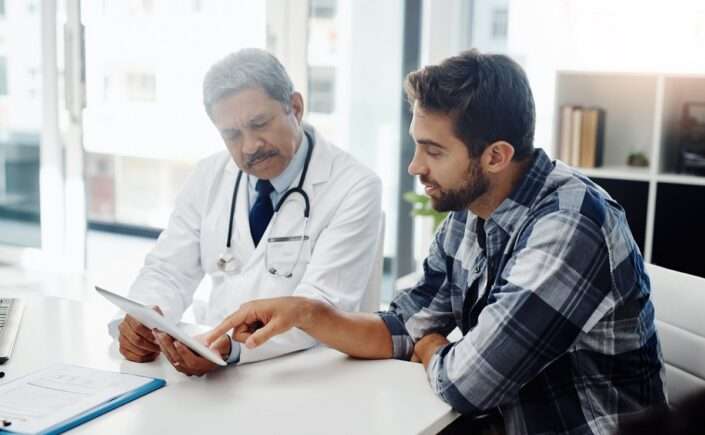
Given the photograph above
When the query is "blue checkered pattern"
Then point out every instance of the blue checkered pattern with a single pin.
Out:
(554, 304)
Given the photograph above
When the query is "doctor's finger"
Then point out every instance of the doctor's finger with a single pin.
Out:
(137, 328)
(167, 345)
(133, 353)
(135, 357)
(137, 342)
(193, 363)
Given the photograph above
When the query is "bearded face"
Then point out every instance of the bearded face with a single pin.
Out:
(451, 198)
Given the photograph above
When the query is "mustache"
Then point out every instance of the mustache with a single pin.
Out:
(260, 155)
(425, 180)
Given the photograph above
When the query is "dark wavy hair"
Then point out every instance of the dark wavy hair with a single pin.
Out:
(487, 95)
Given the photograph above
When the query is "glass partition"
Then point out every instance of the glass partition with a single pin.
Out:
(20, 123)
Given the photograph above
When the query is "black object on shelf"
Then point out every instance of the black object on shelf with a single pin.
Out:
(692, 149)
(693, 162)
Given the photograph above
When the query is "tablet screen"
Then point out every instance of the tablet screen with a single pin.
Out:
(153, 320)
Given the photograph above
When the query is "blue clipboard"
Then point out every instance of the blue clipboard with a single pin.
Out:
(101, 409)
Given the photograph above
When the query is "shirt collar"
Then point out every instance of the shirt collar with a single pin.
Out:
(282, 181)
(512, 209)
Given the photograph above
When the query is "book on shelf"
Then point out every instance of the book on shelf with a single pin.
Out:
(565, 133)
(592, 137)
(575, 128)
(582, 134)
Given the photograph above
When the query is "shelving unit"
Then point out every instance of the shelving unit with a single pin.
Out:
(665, 209)
(618, 173)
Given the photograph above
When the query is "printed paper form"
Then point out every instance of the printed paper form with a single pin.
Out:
(45, 398)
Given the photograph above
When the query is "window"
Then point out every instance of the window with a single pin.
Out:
(144, 123)
(323, 8)
(141, 7)
(354, 105)
(32, 7)
(132, 86)
(116, 189)
(141, 87)
(500, 21)
(321, 89)
(20, 125)
(3, 75)
(100, 186)
(33, 82)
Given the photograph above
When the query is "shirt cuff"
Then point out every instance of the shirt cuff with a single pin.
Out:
(234, 356)
(448, 391)
(402, 344)
(433, 370)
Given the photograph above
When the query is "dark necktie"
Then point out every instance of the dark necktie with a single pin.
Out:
(262, 211)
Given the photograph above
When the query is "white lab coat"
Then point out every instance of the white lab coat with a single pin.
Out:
(335, 265)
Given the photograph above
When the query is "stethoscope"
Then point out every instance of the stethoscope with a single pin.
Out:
(227, 263)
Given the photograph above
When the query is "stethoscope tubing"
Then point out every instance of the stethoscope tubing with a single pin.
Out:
(298, 189)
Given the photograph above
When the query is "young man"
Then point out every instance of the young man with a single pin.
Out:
(535, 264)
(224, 224)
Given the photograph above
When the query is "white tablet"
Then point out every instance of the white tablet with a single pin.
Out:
(153, 320)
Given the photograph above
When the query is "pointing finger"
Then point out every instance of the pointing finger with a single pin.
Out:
(230, 322)
(265, 333)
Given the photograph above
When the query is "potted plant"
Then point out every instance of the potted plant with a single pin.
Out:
(421, 206)
(429, 221)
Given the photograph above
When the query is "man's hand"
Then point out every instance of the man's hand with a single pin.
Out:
(187, 362)
(258, 321)
(427, 346)
(137, 343)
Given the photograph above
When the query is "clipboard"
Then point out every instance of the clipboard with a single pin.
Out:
(62, 420)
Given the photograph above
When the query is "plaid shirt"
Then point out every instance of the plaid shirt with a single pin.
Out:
(553, 301)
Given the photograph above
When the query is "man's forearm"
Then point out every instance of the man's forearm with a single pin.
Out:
(361, 335)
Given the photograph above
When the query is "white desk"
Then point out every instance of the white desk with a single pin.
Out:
(319, 391)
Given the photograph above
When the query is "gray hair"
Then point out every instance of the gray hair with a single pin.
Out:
(247, 69)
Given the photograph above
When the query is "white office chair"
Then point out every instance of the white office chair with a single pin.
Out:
(679, 301)
(371, 299)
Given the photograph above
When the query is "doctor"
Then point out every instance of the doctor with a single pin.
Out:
(282, 212)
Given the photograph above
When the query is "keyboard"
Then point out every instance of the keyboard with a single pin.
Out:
(10, 316)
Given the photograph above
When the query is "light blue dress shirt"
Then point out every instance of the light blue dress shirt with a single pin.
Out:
(283, 181)
(281, 184)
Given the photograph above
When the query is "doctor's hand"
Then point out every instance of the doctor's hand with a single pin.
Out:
(188, 362)
(137, 343)
(258, 321)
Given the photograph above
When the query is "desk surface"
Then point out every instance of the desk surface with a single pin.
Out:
(319, 391)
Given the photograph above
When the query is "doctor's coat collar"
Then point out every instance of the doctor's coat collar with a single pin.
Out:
(321, 159)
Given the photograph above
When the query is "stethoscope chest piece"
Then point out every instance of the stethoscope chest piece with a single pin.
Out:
(228, 263)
